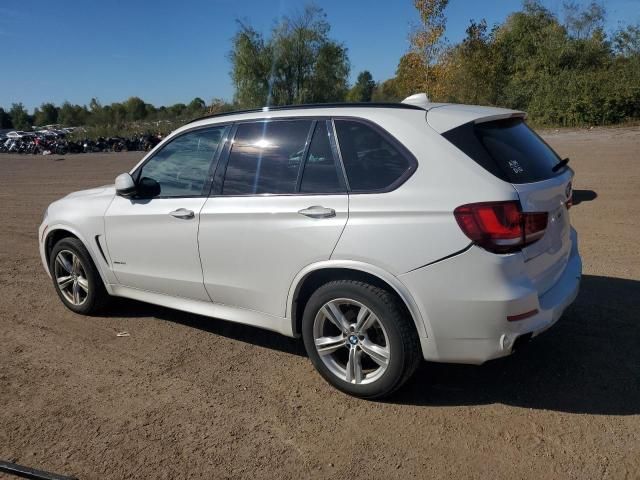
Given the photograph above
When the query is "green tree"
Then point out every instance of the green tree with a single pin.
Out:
(472, 76)
(387, 91)
(47, 114)
(136, 109)
(5, 119)
(197, 107)
(299, 63)
(582, 23)
(329, 80)
(118, 114)
(20, 117)
(177, 110)
(72, 115)
(218, 105)
(411, 74)
(97, 116)
(626, 41)
(427, 38)
(362, 91)
(252, 64)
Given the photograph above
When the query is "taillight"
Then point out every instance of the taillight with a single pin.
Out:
(500, 227)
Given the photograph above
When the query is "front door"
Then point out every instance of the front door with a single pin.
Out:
(153, 242)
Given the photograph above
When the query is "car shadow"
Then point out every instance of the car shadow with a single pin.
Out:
(579, 196)
(589, 362)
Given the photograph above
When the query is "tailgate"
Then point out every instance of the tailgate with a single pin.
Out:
(546, 259)
(508, 149)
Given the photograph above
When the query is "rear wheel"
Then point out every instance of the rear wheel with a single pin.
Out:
(360, 338)
(76, 278)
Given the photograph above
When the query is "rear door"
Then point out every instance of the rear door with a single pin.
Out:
(279, 204)
(510, 150)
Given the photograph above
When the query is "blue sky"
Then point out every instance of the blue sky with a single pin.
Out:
(172, 51)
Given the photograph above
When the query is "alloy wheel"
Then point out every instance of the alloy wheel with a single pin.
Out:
(71, 277)
(351, 341)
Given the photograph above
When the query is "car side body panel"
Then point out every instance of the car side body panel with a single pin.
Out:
(252, 247)
(153, 250)
(414, 225)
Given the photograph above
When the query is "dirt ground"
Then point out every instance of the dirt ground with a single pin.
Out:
(191, 397)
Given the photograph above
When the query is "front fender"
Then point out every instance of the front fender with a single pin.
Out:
(90, 244)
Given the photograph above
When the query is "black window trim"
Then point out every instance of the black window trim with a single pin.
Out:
(215, 158)
(333, 138)
(305, 153)
(340, 173)
(223, 161)
(404, 151)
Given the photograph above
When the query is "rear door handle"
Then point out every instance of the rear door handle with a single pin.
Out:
(182, 213)
(317, 211)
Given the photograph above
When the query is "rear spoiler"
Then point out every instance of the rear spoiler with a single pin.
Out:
(443, 118)
(491, 118)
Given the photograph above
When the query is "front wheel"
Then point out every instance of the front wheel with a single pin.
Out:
(360, 338)
(75, 277)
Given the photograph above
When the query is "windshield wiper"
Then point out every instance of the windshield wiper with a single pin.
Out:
(560, 164)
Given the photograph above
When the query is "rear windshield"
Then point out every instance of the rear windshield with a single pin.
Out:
(507, 148)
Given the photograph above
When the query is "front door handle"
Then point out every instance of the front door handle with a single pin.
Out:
(317, 212)
(182, 213)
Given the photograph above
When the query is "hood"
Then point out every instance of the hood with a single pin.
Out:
(106, 190)
(81, 205)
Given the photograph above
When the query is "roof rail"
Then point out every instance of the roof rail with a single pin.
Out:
(312, 105)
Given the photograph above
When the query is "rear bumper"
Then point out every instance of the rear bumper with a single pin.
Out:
(466, 299)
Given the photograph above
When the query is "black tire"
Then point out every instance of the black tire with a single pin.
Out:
(403, 343)
(96, 298)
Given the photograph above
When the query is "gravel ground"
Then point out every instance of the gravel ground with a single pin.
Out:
(190, 397)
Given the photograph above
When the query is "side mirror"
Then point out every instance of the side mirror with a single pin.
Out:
(148, 188)
(125, 186)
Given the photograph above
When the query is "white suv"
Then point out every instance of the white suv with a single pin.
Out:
(380, 233)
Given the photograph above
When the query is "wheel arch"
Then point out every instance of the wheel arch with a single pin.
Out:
(53, 237)
(311, 277)
(59, 232)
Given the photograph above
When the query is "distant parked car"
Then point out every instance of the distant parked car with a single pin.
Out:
(380, 233)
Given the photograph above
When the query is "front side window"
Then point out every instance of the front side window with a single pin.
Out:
(371, 160)
(265, 157)
(181, 167)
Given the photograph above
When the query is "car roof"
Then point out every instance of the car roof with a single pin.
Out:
(309, 106)
(440, 116)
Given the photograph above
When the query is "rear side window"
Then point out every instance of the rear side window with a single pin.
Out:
(508, 149)
(321, 172)
(372, 161)
(266, 157)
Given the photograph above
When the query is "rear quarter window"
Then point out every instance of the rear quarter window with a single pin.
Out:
(507, 148)
(373, 161)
